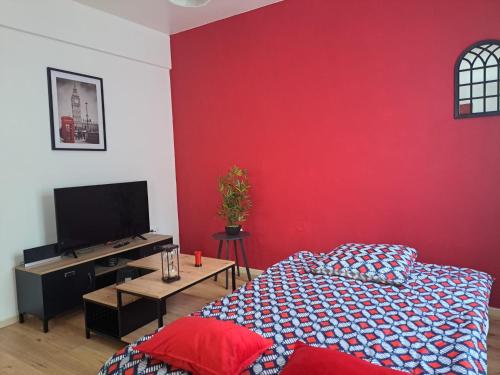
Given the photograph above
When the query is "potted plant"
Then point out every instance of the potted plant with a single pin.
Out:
(236, 203)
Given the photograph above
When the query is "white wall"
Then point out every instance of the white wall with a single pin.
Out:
(72, 22)
(138, 120)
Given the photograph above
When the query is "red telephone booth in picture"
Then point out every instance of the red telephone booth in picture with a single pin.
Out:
(67, 129)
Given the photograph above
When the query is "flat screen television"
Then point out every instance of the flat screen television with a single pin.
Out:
(91, 215)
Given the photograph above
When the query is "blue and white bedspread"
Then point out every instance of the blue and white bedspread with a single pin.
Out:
(436, 323)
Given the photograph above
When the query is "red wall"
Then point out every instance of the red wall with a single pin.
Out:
(342, 111)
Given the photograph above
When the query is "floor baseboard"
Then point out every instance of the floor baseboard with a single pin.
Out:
(8, 321)
(494, 313)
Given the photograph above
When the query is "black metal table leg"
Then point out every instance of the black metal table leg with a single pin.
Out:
(233, 278)
(21, 318)
(45, 325)
(219, 253)
(236, 256)
(85, 315)
(227, 258)
(160, 314)
(245, 259)
(119, 305)
(119, 299)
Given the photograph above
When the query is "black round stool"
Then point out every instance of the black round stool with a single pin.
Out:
(223, 236)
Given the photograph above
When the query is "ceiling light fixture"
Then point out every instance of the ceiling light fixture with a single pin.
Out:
(190, 3)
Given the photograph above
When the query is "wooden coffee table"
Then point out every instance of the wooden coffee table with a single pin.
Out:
(152, 287)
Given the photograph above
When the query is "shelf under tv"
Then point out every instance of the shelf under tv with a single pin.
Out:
(102, 270)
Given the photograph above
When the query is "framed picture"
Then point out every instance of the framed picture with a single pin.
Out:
(76, 104)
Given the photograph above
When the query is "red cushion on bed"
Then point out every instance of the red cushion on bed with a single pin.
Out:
(206, 346)
(321, 361)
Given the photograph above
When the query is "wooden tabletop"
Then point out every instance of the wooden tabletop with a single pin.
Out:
(95, 253)
(152, 285)
(107, 297)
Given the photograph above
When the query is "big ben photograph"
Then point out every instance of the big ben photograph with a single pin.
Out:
(76, 103)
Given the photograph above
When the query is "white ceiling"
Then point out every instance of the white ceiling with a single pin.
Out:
(163, 16)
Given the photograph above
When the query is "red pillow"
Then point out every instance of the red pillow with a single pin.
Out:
(321, 361)
(206, 346)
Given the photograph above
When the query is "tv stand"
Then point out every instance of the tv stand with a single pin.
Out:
(121, 244)
(53, 288)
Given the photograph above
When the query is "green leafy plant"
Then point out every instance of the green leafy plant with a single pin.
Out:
(236, 203)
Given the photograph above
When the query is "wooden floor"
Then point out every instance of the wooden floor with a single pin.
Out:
(24, 349)
(494, 343)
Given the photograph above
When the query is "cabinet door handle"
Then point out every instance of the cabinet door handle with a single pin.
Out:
(90, 280)
(69, 274)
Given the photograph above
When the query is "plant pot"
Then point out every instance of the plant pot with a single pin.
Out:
(233, 230)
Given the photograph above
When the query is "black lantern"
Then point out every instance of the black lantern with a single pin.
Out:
(170, 270)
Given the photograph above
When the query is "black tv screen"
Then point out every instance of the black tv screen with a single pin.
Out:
(90, 215)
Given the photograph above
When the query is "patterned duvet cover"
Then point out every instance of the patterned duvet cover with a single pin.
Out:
(435, 323)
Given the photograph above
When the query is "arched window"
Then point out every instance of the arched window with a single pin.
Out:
(477, 80)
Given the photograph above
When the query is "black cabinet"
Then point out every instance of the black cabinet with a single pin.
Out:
(63, 290)
(55, 292)
(152, 249)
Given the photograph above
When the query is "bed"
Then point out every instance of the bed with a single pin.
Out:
(437, 322)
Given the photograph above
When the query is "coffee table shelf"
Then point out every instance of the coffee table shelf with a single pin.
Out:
(102, 313)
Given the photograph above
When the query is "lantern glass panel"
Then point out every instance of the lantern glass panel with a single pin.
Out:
(170, 263)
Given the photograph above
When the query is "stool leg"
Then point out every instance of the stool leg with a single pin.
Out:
(227, 257)
(219, 252)
(236, 256)
(245, 259)
(233, 278)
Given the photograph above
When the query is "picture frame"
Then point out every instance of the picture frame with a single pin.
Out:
(76, 105)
